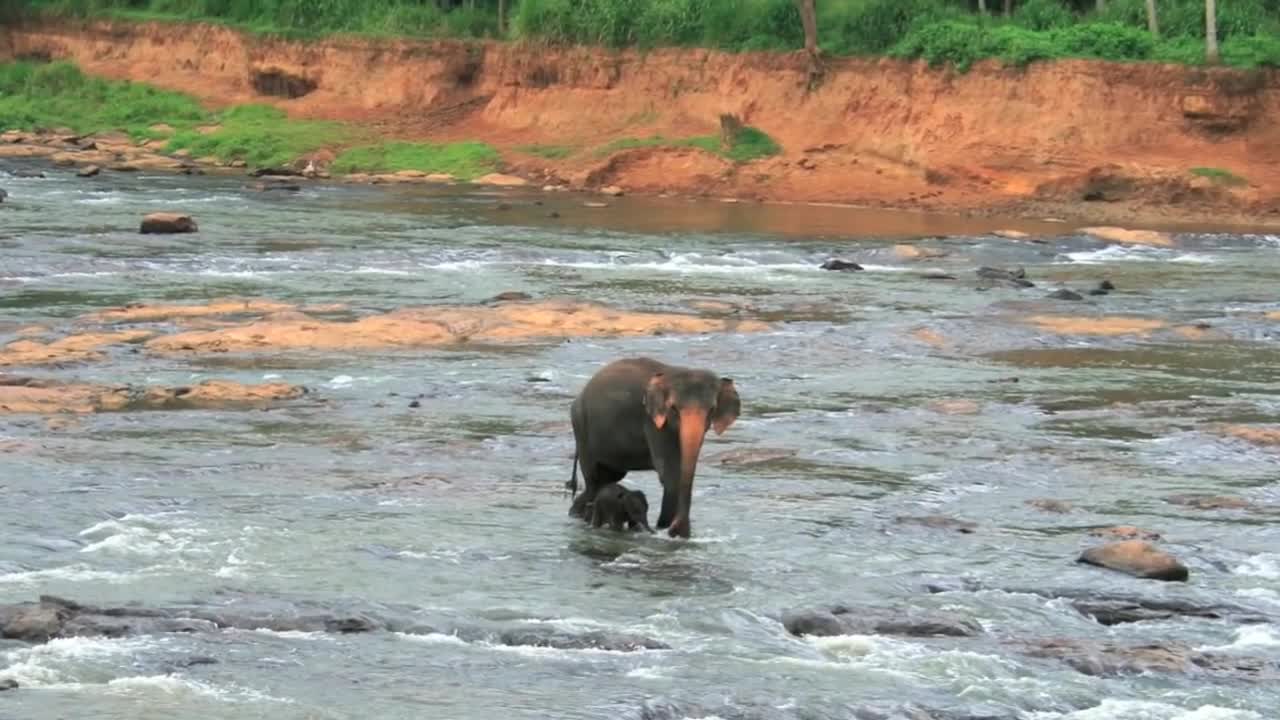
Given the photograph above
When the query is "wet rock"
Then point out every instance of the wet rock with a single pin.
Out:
(553, 214)
(1210, 502)
(612, 190)
(88, 171)
(1129, 237)
(1103, 288)
(846, 620)
(4, 195)
(1104, 326)
(1011, 234)
(1008, 278)
(596, 640)
(751, 456)
(276, 185)
(1118, 612)
(939, 522)
(70, 349)
(955, 407)
(501, 180)
(1114, 660)
(1263, 436)
(915, 252)
(936, 275)
(21, 395)
(8, 684)
(1124, 532)
(1138, 558)
(273, 171)
(1065, 294)
(415, 404)
(510, 296)
(447, 325)
(1050, 505)
(33, 622)
(167, 223)
(839, 265)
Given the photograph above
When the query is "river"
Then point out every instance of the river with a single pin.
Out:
(874, 395)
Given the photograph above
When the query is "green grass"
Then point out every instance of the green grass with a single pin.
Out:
(260, 135)
(53, 95)
(550, 152)
(1219, 175)
(749, 144)
(463, 160)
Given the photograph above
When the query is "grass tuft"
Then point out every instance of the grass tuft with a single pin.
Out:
(463, 160)
(748, 144)
(261, 135)
(550, 152)
(1219, 175)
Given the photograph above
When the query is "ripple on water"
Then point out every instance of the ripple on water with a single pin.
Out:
(1112, 709)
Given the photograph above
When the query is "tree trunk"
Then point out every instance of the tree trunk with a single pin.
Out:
(809, 19)
(982, 6)
(1102, 5)
(502, 17)
(1008, 8)
(1211, 32)
(1152, 24)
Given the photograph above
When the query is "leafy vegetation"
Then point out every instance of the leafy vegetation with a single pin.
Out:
(938, 30)
(550, 152)
(463, 160)
(53, 95)
(1219, 175)
(260, 135)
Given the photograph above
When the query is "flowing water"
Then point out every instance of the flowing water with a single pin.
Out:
(875, 395)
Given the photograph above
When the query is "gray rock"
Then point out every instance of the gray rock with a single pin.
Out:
(845, 620)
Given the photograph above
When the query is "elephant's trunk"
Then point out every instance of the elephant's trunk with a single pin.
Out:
(693, 428)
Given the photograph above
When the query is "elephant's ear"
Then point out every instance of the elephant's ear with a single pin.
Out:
(657, 399)
(727, 406)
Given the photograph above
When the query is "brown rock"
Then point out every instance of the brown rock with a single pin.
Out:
(612, 190)
(929, 337)
(143, 312)
(88, 171)
(501, 180)
(1011, 234)
(1049, 505)
(167, 223)
(1109, 659)
(448, 325)
(955, 407)
(939, 522)
(1096, 325)
(1130, 237)
(1265, 435)
(30, 396)
(73, 348)
(1124, 532)
(1138, 558)
(1209, 502)
(915, 252)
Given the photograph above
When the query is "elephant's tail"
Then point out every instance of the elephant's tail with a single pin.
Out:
(572, 484)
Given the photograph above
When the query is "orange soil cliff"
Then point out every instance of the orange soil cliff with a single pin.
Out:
(1082, 138)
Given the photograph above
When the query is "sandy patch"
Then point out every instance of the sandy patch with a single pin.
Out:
(30, 395)
(1106, 325)
(445, 325)
(73, 348)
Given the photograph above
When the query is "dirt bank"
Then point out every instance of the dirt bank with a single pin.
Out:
(1077, 139)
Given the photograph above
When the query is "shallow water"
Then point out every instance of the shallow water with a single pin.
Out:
(456, 509)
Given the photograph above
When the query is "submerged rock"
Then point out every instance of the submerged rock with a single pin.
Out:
(1129, 237)
(1065, 294)
(88, 171)
(1051, 506)
(1119, 612)
(940, 522)
(8, 684)
(1138, 558)
(167, 223)
(1124, 532)
(594, 640)
(24, 395)
(846, 620)
(1209, 502)
(839, 265)
(1111, 659)
(999, 276)
(1103, 288)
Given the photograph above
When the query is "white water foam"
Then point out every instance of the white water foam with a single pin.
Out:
(1250, 636)
(154, 535)
(58, 661)
(1111, 709)
(78, 572)
(1264, 565)
(1137, 253)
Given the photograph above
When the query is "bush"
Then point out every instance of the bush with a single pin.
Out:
(956, 42)
(1108, 41)
(1043, 15)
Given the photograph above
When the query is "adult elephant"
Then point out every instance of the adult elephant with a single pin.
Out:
(641, 414)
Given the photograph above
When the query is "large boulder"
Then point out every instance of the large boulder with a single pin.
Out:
(1138, 558)
(163, 222)
(846, 620)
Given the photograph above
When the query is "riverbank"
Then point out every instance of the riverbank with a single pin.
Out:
(1084, 141)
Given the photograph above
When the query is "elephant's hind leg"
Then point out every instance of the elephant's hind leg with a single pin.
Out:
(594, 477)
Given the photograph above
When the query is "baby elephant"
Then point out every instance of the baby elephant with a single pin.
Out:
(616, 505)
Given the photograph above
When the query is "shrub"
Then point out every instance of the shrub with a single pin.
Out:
(1109, 41)
(260, 135)
(464, 160)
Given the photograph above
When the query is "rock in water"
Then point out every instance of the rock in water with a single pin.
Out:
(167, 223)
(3, 195)
(8, 684)
(840, 265)
(1138, 558)
(1065, 294)
(88, 171)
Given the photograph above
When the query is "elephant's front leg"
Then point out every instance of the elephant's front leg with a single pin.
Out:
(666, 460)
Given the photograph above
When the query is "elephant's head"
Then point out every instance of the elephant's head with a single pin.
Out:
(691, 402)
(637, 508)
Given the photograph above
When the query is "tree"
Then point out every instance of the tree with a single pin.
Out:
(982, 6)
(502, 17)
(1102, 5)
(1008, 8)
(1211, 32)
(1152, 24)
(809, 19)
